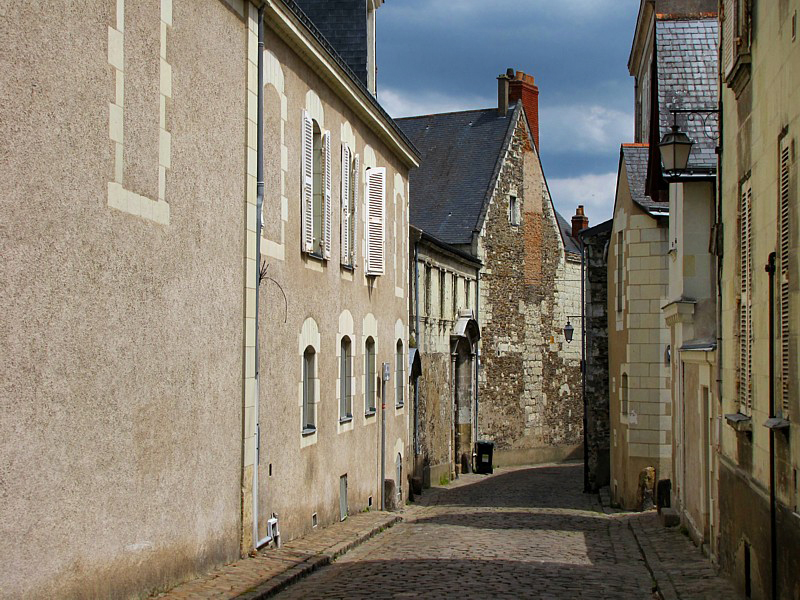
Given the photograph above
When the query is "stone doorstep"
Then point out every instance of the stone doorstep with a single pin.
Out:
(273, 569)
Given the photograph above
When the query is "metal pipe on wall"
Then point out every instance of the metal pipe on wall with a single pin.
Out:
(419, 348)
(257, 543)
(773, 531)
(477, 346)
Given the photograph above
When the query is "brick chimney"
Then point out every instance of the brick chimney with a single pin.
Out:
(523, 86)
(579, 221)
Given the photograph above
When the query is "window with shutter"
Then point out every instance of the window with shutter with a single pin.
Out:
(354, 187)
(736, 33)
(745, 300)
(326, 209)
(344, 234)
(376, 216)
(784, 231)
(307, 192)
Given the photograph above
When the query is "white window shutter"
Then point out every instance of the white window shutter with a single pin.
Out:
(307, 196)
(355, 183)
(728, 36)
(326, 217)
(376, 216)
(344, 234)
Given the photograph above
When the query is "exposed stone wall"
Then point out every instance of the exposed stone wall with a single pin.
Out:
(597, 417)
(435, 416)
(530, 382)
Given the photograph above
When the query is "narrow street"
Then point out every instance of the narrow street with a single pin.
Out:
(528, 532)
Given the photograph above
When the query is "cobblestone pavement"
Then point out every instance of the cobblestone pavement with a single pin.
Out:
(523, 533)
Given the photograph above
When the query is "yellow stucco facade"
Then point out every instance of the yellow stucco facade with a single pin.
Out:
(760, 97)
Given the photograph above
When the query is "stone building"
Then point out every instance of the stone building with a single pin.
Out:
(134, 427)
(481, 189)
(595, 241)
(760, 215)
(640, 405)
(445, 332)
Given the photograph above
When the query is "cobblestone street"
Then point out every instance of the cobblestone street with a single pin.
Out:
(523, 533)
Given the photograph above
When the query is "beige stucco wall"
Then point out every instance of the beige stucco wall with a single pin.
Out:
(121, 335)
(300, 475)
(637, 341)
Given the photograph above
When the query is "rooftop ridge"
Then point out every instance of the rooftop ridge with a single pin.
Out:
(635, 145)
(453, 112)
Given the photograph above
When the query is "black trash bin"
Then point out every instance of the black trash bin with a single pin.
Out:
(484, 455)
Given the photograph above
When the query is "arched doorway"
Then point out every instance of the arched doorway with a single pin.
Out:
(463, 345)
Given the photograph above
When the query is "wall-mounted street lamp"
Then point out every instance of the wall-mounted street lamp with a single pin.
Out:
(676, 146)
(569, 330)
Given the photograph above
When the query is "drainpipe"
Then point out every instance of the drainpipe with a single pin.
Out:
(477, 345)
(258, 542)
(773, 532)
(419, 348)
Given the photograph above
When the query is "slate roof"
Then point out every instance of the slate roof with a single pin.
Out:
(344, 25)
(635, 157)
(686, 51)
(570, 243)
(314, 31)
(461, 155)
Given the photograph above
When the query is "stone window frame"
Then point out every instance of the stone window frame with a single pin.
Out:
(370, 376)
(514, 212)
(310, 384)
(399, 374)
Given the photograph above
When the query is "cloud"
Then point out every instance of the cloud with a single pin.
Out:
(402, 103)
(586, 128)
(594, 191)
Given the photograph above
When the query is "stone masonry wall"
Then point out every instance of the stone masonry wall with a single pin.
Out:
(530, 382)
(597, 418)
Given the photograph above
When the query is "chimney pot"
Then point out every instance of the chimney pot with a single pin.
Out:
(579, 221)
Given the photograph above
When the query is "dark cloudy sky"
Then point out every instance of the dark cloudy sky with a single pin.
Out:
(439, 56)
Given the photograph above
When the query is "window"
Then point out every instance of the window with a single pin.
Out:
(442, 285)
(467, 298)
(625, 399)
(620, 268)
(345, 381)
(745, 299)
(316, 189)
(399, 380)
(454, 296)
(376, 218)
(513, 210)
(784, 252)
(428, 285)
(349, 222)
(736, 36)
(370, 375)
(309, 380)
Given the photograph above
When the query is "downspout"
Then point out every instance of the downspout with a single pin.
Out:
(258, 542)
(419, 348)
(583, 371)
(477, 345)
(773, 532)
